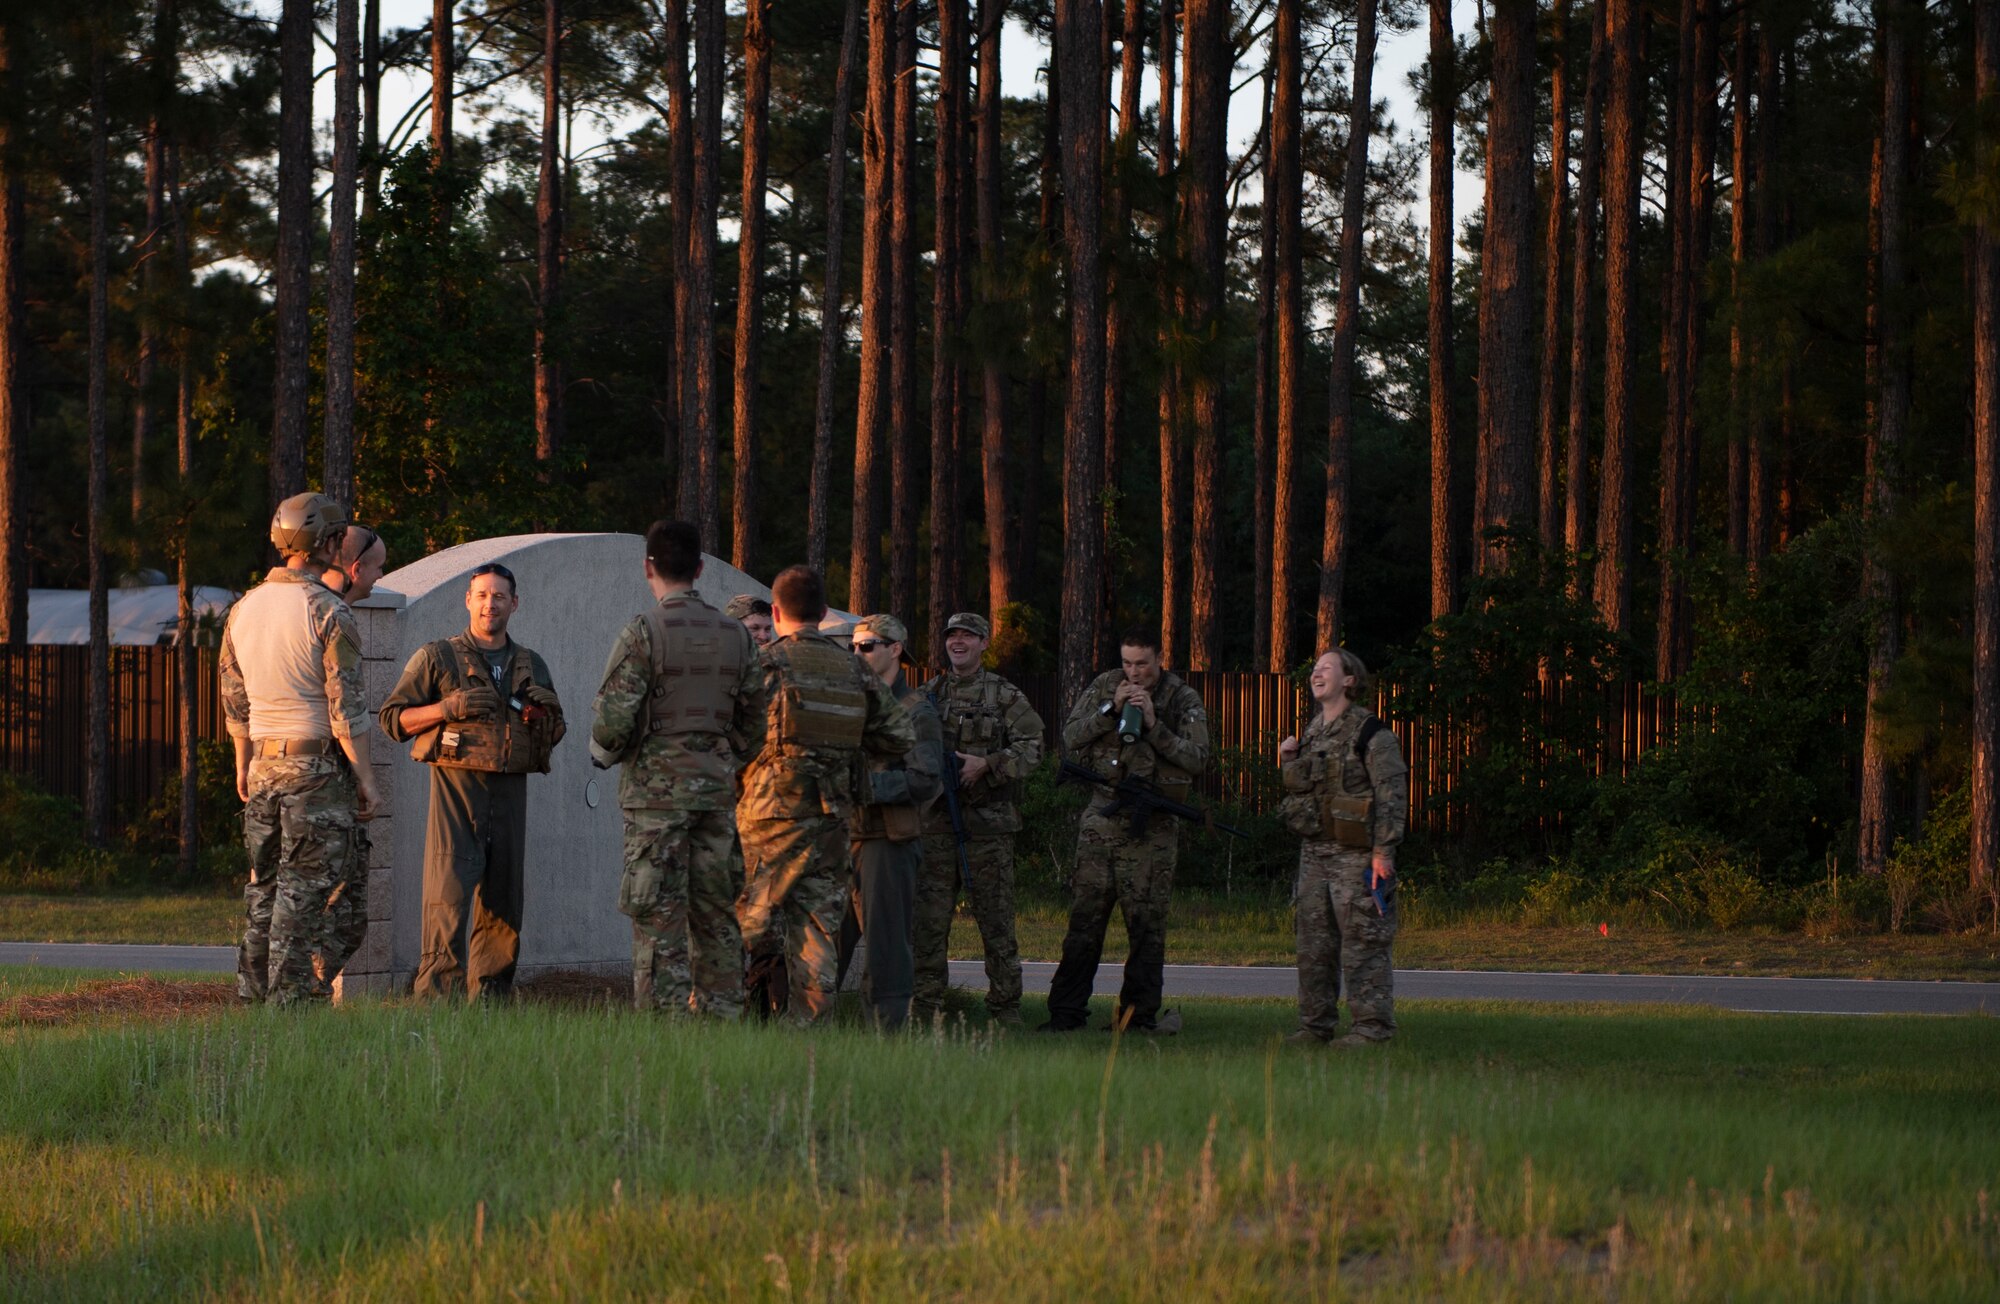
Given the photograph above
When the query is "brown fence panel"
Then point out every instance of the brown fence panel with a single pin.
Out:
(44, 715)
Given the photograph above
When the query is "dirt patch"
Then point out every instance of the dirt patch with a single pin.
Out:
(577, 989)
(144, 998)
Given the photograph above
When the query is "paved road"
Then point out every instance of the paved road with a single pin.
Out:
(1772, 995)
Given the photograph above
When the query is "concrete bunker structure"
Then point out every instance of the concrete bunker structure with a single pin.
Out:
(577, 591)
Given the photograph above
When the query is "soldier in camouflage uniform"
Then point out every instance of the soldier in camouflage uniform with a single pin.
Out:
(755, 614)
(482, 712)
(291, 699)
(1128, 858)
(827, 711)
(357, 564)
(888, 829)
(1348, 795)
(682, 707)
(998, 738)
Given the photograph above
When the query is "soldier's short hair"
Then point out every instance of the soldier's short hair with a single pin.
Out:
(1146, 636)
(674, 548)
(800, 593)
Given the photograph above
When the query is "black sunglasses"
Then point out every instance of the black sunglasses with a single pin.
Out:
(869, 644)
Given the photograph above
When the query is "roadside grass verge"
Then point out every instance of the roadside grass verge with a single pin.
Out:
(1207, 929)
(394, 1151)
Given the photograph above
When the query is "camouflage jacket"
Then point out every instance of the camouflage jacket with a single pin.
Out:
(296, 700)
(1327, 766)
(1168, 754)
(899, 791)
(670, 771)
(788, 780)
(982, 714)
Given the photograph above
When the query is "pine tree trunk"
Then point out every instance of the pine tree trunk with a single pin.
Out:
(1443, 231)
(680, 171)
(698, 398)
(97, 774)
(1204, 215)
(442, 93)
(371, 107)
(1346, 330)
(161, 78)
(1263, 456)
(1079, 28)
(1034, 450)
(1760, 505)
(998, 501)
(1737, 494)
(904, 482)
(1986, 471)
(750, 282)
(864, 567)
(1286, 216)
(1623, 145)
(293, 289)
(1173, 453)
(1506, 295)
(1118, 283)
(820, 492)
(186, 655)
(337, 463)
(1680, 441)
(1548, 515)
(947, 321)
(1576, 458)
(1894, 157)
(13, 339)
(549, 246)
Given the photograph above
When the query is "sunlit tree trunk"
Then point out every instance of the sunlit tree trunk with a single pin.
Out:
(1622, 163)
(750, 281)
(864, 566)
(1263, 459)
(1506, 293)
(1286, 215)
(337, 461)
(947, 317)
(548, 245)
(1208, 61)
(97, 772)
(186, 655)
(680, 174)
(1443, 112)
(1346, 330)
(904, 481)
(1079, 52)
(1118, 285)
(1173, 454)
(291, 279)
(998, 501)
(1548, 452)
(820, 491)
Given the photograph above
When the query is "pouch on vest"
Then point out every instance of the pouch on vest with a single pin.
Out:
(901, 822)
(820, 703)
(503, 745)
(1349, 821)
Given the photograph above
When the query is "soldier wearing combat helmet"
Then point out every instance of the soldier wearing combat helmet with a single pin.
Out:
(827, 713)
(291, 699)
(482, 712)
(998, 740)
(681, 708)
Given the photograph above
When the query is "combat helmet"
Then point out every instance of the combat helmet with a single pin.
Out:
(304, 521)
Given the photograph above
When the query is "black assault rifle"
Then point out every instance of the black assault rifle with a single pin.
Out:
(1138, 799)
(952, 806)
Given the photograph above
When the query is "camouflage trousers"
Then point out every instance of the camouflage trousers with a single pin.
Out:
(683, 874)
(299, 827)
(796, 879)
(990, 862)
(1136, 873)
(347, 910)
(1344, 940)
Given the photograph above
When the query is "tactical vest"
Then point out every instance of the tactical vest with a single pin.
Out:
(820, 702)
(980, 735)
(698, 659)
(502, 744)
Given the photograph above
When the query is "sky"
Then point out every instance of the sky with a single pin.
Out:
(1022, 56)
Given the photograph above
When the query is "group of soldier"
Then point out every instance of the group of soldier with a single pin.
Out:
(787, 801)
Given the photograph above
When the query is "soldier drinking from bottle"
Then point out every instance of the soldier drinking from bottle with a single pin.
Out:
(482, 712)
(1347, 793)
(995, 738)
(682, 708)
(291, 699)
(1138, 723)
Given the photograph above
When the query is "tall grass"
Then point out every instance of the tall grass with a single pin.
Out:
(398, 1151)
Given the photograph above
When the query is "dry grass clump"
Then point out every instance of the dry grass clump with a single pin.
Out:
(134, 998)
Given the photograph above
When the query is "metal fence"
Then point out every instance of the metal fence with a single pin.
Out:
(44, 704)
(42, 727)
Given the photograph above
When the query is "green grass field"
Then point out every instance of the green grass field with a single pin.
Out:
(1210, 930)
(395, 1151)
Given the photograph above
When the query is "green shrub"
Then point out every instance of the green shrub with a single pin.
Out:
(155, 835)
(45, 848)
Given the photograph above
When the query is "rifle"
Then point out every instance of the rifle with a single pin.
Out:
(951, 804)
(1141, 799)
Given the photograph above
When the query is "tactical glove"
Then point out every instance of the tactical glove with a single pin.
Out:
(478, 702)
(543, 697)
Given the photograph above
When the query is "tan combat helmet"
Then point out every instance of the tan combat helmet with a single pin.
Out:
(304, 521)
